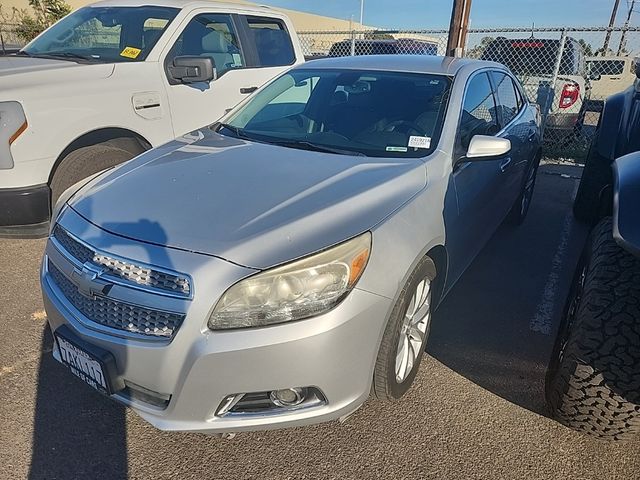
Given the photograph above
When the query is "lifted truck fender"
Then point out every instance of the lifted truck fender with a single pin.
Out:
(626, 199)
(614, 113)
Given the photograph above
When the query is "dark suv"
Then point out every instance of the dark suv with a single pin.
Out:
(593, 381)
(404, 46)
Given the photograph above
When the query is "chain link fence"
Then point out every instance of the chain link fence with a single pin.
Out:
(9, 38)
(568, 72)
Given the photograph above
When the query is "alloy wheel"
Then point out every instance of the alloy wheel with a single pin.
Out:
(413, 331)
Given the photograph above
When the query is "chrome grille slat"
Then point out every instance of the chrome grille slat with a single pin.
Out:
(129, 272)
(117, 314)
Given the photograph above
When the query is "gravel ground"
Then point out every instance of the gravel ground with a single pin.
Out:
(476, 411)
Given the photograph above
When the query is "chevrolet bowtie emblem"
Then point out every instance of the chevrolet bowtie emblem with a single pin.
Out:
(88, 282)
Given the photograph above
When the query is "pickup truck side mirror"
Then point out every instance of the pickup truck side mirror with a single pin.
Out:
(191, 69)
(483, 147)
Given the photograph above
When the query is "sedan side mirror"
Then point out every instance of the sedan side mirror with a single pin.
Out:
(483, 147)
(191, 69)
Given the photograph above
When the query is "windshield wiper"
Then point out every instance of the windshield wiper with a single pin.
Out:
(73, 57)
(317, 147)
(237, 131)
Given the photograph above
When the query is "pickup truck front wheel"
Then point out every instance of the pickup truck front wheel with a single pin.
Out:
(593, 380)
(84, 162)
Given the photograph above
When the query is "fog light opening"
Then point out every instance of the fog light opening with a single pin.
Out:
(288, 397)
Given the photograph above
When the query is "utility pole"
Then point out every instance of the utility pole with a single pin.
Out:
(362, 12)
(612, 22)
(458, 27)
(623, 38)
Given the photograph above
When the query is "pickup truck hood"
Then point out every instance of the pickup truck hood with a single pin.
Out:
(254, 204)
(20, 72)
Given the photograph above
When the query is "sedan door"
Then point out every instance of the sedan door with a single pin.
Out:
(474, 206)
(518, 126)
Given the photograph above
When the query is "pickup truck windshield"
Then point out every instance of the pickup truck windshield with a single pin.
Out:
(103, 34)
(372, 113)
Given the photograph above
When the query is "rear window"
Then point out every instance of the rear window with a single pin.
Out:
(535, 56)
(606, 67)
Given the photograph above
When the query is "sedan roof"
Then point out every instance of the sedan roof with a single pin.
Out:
(401, 63)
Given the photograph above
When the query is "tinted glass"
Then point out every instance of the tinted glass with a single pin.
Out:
(479, 110)
(272, 42)
(211, 35)
(379, 114)
(104, 34)
(506, 98)
(533, 56)
(606, 67)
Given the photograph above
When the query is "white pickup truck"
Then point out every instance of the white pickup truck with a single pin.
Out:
(118, 77)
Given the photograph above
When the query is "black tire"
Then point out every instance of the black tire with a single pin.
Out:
(84, 162)
(385, 386)
(593, 380)
(596, 175)
(520, 208)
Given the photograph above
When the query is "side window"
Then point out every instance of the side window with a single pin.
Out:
(478, 111)
(506, 98)
(272, 41)
(210, 35)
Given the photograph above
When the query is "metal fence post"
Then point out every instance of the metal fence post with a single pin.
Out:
(551, 92)
(353, 43)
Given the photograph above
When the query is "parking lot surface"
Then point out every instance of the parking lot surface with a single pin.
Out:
(476, 410)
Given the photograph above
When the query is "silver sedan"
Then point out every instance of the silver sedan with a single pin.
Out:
(275, 268)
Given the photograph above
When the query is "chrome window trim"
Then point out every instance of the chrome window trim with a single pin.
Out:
(487, 71)
(118, 280)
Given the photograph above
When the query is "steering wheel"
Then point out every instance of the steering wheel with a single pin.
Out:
(403, 126)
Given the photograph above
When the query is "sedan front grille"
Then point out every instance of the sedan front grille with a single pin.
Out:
(117, 314)
(129, 272)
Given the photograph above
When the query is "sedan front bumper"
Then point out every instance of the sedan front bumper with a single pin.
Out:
(181, 382)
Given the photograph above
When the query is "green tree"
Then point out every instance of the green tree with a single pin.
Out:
(588, 49)
(45, 14)
(478, 50)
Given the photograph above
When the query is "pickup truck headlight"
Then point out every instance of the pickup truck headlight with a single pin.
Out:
(12, 123)
(301, 289)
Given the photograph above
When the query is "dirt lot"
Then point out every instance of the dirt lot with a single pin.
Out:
(476, 411)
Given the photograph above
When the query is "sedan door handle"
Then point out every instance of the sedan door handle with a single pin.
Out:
(247, 90)
(505, 164)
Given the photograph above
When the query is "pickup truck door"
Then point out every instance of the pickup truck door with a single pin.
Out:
(247, 52)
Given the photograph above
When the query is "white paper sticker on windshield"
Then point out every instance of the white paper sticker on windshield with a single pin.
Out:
(420, 142)
(396, 149)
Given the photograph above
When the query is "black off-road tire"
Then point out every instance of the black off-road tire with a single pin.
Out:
(385, 386)
(593, 381)
(596, 175)
(84, 162)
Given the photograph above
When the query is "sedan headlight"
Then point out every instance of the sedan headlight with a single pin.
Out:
(301, 289)
(12, 123)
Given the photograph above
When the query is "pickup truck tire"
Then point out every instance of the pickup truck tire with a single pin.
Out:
(596, 175)
(593, 380)
(84, 162)
(385, 383)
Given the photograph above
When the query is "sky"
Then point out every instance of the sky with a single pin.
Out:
(426, 14)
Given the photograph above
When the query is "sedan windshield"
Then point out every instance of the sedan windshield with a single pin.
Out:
(372, 113)
(103, 34)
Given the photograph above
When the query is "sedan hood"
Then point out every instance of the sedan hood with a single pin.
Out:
(254, 204)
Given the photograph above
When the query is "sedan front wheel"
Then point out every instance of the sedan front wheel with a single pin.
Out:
(406, 334)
